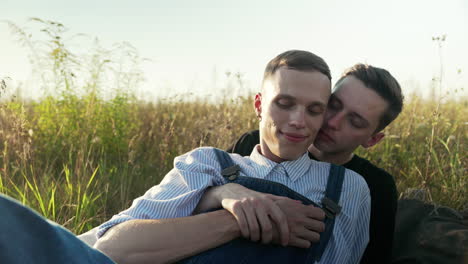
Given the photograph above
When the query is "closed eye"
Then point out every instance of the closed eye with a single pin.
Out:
(316, 109)
(284, 103)
(358, 121)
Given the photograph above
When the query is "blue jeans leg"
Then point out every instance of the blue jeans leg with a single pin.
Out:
(26, 237)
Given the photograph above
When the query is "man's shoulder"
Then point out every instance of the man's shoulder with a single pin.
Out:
(381, 184)
(199, 151)
(253, 133)
(204, 150)
(197, 155)
(354, 180)
(207, 154)
(358, 164)
(245, 143)
(371, 173)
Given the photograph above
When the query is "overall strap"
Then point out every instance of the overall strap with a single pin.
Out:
(330, 205)
(223, 158)
(228, 168)
(333, 192)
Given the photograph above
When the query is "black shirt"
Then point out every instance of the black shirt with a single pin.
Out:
(383, 199)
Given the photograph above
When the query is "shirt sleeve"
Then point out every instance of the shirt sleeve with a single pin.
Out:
(178, 193)
(361, 238)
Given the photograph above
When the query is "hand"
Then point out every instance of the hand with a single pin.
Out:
(305, 223)
(256, 213)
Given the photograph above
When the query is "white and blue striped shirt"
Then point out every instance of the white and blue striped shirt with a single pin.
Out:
(182, 188)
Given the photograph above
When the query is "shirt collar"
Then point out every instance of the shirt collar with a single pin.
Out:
(294, 168)
(264, 165)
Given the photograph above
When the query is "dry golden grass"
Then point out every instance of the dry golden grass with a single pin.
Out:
(108, 154)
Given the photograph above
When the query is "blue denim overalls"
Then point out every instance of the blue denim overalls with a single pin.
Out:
(243, 251)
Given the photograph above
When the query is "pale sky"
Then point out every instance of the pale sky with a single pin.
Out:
(193, 43)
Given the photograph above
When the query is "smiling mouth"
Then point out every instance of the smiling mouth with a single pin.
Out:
(293, 137)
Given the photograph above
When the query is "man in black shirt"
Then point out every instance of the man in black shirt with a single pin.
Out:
(364, 101)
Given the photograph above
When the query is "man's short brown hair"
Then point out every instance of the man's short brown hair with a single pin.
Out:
(297, 60)
(384, 84)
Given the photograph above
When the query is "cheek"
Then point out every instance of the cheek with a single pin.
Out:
(315, 122)
(269, 126)
(353, 135)
(277, 117)
(328, 114)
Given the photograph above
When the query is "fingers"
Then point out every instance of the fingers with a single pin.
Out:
(310, 235)
(279, 198)
(266, 225)
(253, 219)
(315, 212)
(314, 225)
(304, 237)
(258, 217)
(251, 216)
(299, 242)
(238, 212)
(257, 214)
(281, 221)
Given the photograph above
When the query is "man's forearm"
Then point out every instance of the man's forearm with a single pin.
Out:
(167, 240)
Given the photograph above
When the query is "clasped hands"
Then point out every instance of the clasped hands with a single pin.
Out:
(265, 217)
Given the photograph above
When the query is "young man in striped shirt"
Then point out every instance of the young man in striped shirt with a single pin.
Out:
(291, 108)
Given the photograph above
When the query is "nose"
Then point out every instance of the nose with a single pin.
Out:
(297, 119)
(334, 120)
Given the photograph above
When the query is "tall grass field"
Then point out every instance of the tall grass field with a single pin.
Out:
(79, 154)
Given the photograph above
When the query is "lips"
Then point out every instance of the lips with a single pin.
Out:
(294, 137)
(324, 136)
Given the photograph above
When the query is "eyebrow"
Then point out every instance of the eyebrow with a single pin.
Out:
(289, 97)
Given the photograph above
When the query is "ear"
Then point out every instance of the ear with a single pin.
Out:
(258, 104)
(374, 139)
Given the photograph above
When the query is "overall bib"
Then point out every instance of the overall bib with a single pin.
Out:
(243, 251)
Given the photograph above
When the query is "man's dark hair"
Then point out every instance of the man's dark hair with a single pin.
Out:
(384, 84)
(297, 60)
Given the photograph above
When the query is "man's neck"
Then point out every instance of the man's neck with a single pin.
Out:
(338, 159)
(265, 152)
